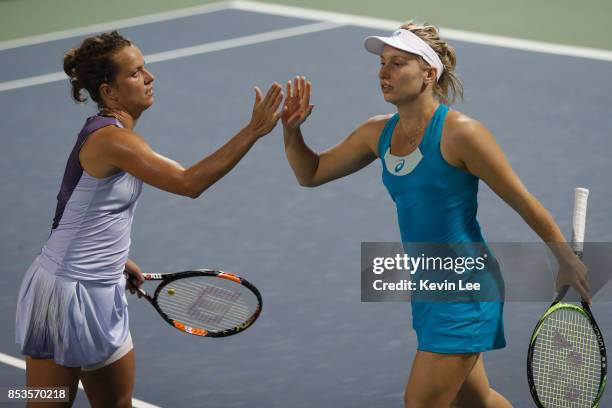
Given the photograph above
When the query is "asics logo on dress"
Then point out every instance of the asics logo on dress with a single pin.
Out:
(399, 166)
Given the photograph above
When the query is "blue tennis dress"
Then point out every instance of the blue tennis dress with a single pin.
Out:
(437, 203)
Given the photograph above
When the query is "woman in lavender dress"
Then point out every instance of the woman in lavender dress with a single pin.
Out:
(72, 319)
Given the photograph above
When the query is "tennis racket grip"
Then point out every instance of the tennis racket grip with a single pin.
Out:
(579, 220)
(578, 226)
(132, 282)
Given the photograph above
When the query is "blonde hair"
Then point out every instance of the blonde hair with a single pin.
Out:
(448, 87)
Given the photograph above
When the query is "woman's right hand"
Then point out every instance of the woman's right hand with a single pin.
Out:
(265, 116)
(572, 272)
(297, 105)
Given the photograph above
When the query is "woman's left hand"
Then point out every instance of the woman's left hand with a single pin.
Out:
(297, 105)
(135, 277)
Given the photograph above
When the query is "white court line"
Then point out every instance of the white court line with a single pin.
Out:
(242, 41)
(19, 363)
(31, 81)
(189, 51)
(451, 34)
(298, 12)
(115, 25)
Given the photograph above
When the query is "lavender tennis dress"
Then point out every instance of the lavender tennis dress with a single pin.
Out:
(72, 306)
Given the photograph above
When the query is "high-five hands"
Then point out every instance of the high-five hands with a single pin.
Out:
(265, 115)
(297, 105)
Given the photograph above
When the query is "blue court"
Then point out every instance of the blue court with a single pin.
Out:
(315, 344)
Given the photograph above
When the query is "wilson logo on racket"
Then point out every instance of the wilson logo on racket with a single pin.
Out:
(190, 330)
(205, 302)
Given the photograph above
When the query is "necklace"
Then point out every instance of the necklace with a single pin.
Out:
(413, 133)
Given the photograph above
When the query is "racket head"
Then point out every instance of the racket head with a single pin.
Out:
(566, 348)
(207, 303)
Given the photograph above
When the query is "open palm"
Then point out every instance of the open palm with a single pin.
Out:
(297, 105)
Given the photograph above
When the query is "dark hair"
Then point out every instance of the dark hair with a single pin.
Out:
(91, 64)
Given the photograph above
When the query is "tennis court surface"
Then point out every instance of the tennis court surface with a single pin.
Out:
(315, 344)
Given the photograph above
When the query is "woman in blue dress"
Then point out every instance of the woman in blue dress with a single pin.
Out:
(432, 159)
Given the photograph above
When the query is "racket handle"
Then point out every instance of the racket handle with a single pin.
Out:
(130, 280)
(579, 220)
(578, 226)
(561, 294)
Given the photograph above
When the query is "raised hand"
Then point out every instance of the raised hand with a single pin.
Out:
(265, 115)
(297, 105)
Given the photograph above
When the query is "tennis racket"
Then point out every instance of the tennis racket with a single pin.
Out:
(204, 302)
(566, 363)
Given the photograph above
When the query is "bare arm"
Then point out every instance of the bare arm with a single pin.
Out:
(312, 169)
(482, 157)
(125, 150)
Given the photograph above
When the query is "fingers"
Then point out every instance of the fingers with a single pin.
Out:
(278, 99)
(305, 95)
(584, 290)
(258, 96)
(133, 289)
(582, 284)
(134, 279)
(289, 89)
(308, 89)
(295, 102)
(299, 88)
(272, 95)
(280, 113)
(140, 280)
(130, 286)
(576, 277)
(585, 295)
(302, 93)
(265, 111)
(289, 102)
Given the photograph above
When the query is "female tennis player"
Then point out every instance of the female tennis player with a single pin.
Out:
(432, 159)
(72, 318)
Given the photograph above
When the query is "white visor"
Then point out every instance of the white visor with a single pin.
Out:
(407, 41)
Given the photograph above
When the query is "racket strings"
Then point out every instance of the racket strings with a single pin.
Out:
(203, 311)
(213, 304)
(209, 304)
(567, 361)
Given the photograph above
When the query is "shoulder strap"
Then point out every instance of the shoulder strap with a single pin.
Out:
(385, 136)
(94, 123)
(433, 132)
